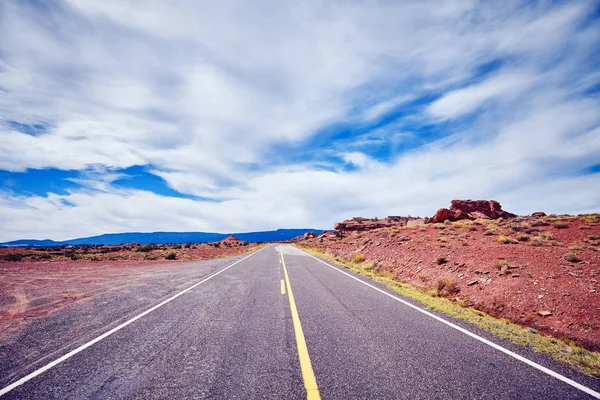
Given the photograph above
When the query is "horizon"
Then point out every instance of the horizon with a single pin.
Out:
(245, 117)
(160, 232)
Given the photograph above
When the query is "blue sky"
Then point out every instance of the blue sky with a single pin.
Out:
(238, 117)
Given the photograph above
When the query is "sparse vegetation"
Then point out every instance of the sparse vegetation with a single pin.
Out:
(144, 248)
(560, 226)
(571, 257)
(358, 258)
(172, 255)
(523, 238)
(539, 223)
(12, 257)
(562, 350)
(447, 287)
(441, 260)
(501, 264)
(505, 240)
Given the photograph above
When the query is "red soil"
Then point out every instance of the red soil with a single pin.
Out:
(521, 281)
(31, 289)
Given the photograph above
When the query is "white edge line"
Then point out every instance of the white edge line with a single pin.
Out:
(79, 349)
(535, 365)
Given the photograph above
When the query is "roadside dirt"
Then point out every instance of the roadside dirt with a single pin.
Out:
(32, 289)
(542, 272)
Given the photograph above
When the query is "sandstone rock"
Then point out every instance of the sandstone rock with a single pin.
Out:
(470, 209)
(538, 214)
(544, 313)
(359, 224)
(309, 235)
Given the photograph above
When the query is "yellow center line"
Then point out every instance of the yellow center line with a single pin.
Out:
(282, 287)
(308, 375)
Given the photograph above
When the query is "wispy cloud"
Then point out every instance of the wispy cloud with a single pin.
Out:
(256, 111)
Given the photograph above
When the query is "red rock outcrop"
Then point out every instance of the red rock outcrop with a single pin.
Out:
(470, 209)
(359, 224)
(231, 239)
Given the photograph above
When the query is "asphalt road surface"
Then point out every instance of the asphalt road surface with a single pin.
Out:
(232, 329)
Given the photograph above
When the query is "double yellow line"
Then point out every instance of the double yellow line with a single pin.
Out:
(308, 375)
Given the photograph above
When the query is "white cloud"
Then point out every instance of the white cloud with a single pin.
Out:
(466, 100)
(199, 91)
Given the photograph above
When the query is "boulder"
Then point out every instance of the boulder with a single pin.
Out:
(538, 214)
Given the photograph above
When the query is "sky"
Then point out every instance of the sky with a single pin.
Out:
(231, 116)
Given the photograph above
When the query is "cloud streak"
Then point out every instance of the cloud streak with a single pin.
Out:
(276, 115)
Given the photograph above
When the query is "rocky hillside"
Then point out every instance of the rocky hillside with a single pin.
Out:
(541, 271)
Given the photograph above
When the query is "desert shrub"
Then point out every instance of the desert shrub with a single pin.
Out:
(517, 228)
(44, 257)
(446, 287)
(188, 245)
(571, 257)
(531, 230)
(357, 258)
(12, 257)
(441, 260)
(501, 264)
(489, 233)
(172, 255)
(538, 241)
(560, 226)
(144, 249)
(523, 238)
(503, 240)
(585, 227)
(539, 223)
(472, 228)
(370, 266)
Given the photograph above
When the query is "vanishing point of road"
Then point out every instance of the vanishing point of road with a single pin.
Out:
(275, 324)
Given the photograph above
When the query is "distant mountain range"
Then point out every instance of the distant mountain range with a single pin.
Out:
(165, 237)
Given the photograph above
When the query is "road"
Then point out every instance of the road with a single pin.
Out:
(232, 329)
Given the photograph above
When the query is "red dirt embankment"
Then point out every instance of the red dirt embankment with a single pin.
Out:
(541, 271)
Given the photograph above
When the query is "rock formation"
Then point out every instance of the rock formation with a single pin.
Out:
(470, 209)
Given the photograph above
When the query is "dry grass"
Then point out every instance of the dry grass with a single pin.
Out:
(358, 258)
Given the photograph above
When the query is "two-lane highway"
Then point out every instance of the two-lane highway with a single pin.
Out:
(274, 324)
